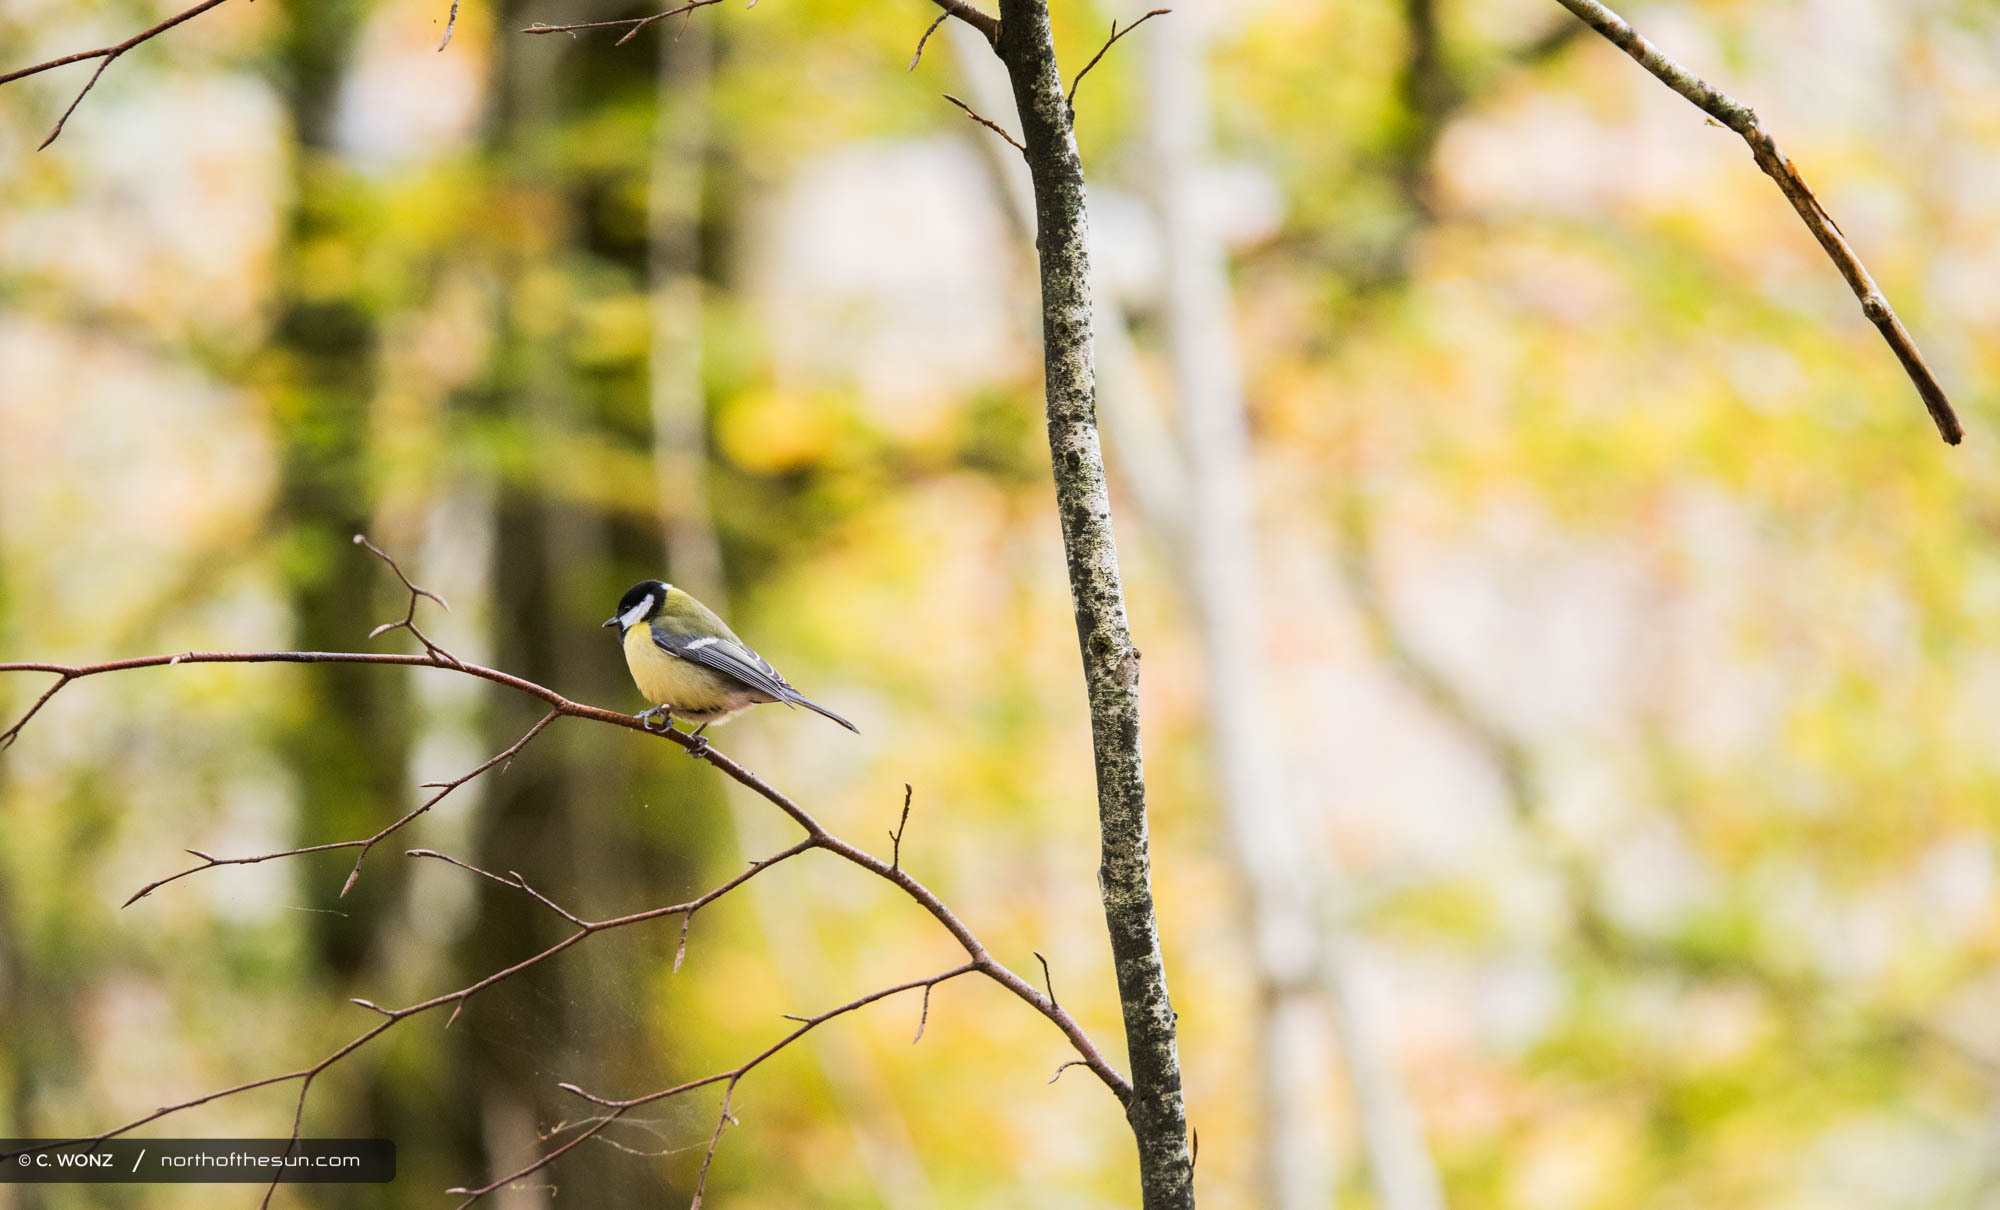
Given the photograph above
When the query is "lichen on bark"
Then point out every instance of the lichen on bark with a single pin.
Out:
(1110, 661)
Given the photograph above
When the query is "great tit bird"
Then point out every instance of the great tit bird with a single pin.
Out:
(692, 666)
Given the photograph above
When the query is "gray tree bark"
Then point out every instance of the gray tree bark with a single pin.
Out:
(1156, 1110)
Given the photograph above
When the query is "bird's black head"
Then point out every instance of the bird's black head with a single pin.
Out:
(639, 604)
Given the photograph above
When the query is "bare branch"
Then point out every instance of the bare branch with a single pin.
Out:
(7, 737)
(364, 844)
(995, 128)
(409, 619)
(450, 23)
(513, 879)
(458, 998)
(928, 31)
(896, 837)
(708, 1157)
(89, 84)
(816, 837)
(1116, 34)
(1743, 120)
(631, 25)
(729, 1079)
(987, 25)
(105, 53)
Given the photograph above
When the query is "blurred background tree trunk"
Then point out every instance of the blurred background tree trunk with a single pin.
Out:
(1303, 966)
(677, 190)
(345, 736)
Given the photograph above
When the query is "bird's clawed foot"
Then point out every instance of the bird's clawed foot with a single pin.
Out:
(698, 748)
(646, 719)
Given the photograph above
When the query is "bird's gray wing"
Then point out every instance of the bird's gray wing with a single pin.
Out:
(731, 659)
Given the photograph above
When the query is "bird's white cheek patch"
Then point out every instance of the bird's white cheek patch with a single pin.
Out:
(631, 616)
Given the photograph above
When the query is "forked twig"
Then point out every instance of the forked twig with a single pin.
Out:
(409, 618)
(631, 25)
(729, 1079)
(443, 788)
(105, 53)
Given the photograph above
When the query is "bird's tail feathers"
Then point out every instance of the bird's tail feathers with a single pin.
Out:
(800, 699)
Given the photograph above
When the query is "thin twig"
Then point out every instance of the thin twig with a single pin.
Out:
(1116, 34)
(995, 128)
(409, 619)
(1048, 980)
(458, 998)
(1743, 120)
(923, 1018)
(896, 837)
(816, 837)
(928, 31)
(89, 84)
(513, 879)
(364, 844)
(450, 23)
(631, 25)
(708, 1157)
(730, 1079)
(987, 24)
(105, 53)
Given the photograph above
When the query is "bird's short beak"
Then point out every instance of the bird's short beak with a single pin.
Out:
(611, 621)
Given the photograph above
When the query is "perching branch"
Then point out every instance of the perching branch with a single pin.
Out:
(1743, 120)
(106, 53)
(816, 837)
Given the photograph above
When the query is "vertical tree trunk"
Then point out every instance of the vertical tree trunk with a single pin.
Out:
(1110, 661)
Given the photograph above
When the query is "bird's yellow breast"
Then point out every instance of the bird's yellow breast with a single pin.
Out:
(670, 681)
